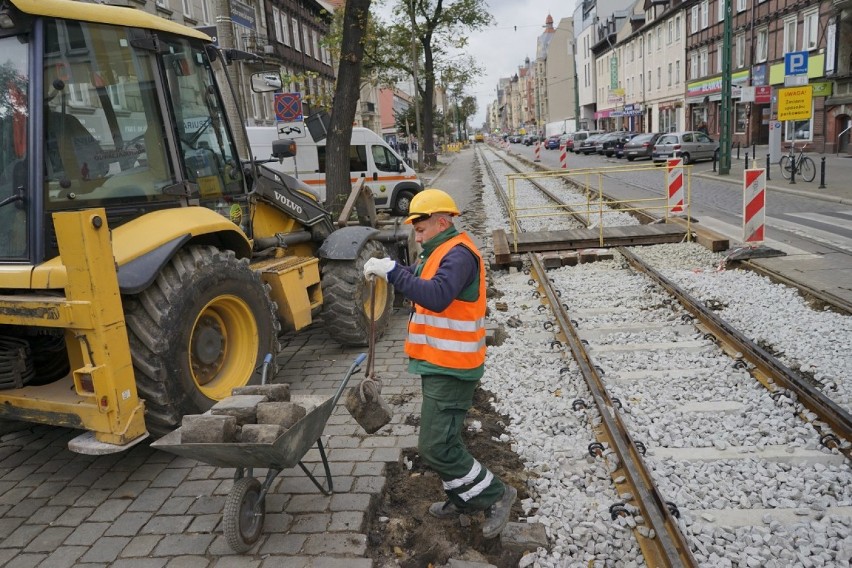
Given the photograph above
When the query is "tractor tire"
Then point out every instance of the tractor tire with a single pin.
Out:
(202, 328)
(346, 298)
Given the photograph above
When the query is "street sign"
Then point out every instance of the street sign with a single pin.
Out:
(795, 103)
(795, 80)
(747, 95)
(288, 107)
(796, 63)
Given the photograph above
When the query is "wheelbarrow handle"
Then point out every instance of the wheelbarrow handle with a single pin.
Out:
(355, 364)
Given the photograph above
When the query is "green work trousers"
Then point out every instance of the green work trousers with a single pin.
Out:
(468, 484)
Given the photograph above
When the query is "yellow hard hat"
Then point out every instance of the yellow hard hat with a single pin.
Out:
(431, 201)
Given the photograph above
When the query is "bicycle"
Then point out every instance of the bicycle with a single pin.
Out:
(805, 167)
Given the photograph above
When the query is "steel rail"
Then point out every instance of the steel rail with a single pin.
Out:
(666, 545)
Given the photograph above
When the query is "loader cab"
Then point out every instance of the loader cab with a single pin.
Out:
(105, 115)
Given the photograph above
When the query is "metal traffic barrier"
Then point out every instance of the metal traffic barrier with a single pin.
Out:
(822, 173)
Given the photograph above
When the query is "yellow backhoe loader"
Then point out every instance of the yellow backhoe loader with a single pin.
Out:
(145, 269)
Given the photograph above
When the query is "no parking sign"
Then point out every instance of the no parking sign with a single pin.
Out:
(288, 107)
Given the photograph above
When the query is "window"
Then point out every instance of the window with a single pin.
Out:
(659, 38)
(650, 84)
(276, 21)
(315, 36)
(719, 58)
(705, 14)
(761, 47)
(385, 160)
(357, 158)
(163, 4)
(641, 46)
(790, 34)
(720, 7)
(742, 5)
(650, 42)
(187, 8)
(810, 30)
(671, 70)
(693, 65)
(670, 35)
(297, 35)
(741, 118)
(693, 20)
(796, 130)
(205, 11)
(739, 50)
(702, 64)
(659, 77)
(285, 29)
(677, 72)
(677, 27)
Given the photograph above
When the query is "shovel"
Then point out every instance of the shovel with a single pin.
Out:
(364, 402)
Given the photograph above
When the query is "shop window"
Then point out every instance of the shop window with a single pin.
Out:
(741, 118)
(799, 130)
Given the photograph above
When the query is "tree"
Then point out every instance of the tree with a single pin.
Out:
(439, 30)
(346, 95)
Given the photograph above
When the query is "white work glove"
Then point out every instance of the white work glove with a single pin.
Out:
(379, 267)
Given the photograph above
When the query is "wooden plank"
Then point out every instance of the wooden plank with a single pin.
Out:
(500, 245)
(705, 237)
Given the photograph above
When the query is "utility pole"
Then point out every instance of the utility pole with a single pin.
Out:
(725, 119)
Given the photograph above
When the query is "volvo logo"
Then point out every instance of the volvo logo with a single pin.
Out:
(288, 203)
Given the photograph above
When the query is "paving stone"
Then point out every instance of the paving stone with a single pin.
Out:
(350, 455)
(341, 563)
(310, 523)
(176, 506)
(183, 544)
(347, 521)
(140, 563)
(201, 472)
(14, 496)
(73, 516)
(336, 544)
(48, 539)
(26, 561)
(188, 562)
(308, 503)
(22, 536)
(93, 497)
(369, 484)
(206, 523)
(456, 563)
(214, 504)
(111, 480)
(147, 472)
(67, 496)
(8, 525)
(166, 525)
(27, 507)
(519, 537)
(237, 562)
(386, 454)
(277, 522)
(201, 488)
(140, 545)
(350, 501)
(129, 524)
(170, 477)
(110, 510)
(151, 499)
(86, 534)
(289, 544)
(368, 468)
(129, 490)
(106, 549)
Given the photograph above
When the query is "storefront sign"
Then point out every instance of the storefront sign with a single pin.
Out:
(823, 89)
(714, 85)
(816, 69)
(763, 95)
(602, 114)
(758, 74)
(795, 103)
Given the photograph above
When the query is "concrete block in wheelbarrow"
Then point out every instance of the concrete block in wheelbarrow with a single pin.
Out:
(279, 392)
(284, 414)
(260, 433)
(242, 407)
(207, 429)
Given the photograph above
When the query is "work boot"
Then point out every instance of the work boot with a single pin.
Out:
(497, 514)
(444, 510)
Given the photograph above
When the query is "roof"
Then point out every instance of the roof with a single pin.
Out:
(104, 14)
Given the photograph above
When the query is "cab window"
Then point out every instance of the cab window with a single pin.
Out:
(357, 159)
(385, 160)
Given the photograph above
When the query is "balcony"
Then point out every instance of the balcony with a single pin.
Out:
(257, 44)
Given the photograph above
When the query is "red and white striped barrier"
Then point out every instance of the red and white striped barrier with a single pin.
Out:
(754, 205)
(537, 152)
(674, 183)
(563, 156)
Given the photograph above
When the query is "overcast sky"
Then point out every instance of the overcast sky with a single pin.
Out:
(502, 48)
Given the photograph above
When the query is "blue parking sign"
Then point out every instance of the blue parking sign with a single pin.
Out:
(796, 63)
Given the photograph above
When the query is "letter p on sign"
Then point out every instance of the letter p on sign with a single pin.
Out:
(796, 63)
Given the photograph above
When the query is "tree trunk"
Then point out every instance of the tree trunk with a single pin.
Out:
(346, 96)
(428, 99)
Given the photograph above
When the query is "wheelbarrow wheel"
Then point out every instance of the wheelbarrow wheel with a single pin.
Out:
(244, 513)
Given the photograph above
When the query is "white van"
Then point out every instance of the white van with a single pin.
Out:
(393, 181)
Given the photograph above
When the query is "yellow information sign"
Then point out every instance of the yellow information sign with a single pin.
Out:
(796, 103)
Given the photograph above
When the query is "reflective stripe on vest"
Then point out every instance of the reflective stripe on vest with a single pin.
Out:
(454, 338)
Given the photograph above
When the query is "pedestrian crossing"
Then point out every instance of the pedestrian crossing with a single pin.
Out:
(833, 228)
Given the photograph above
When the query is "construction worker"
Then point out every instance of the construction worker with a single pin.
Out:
(446, 346)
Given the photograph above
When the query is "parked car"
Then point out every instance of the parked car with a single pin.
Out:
(618, 147)
(552, 143)
(691, 146)
(515, 138)
(588, 145)
(640, 146)
(606, 144)
(580, 136)
(530, 139)
(568, 140)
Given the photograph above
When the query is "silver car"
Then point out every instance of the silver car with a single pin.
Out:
(691, 146)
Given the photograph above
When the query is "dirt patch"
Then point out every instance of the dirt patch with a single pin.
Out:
(402, 533)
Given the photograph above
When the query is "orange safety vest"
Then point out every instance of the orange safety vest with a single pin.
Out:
(454, 338)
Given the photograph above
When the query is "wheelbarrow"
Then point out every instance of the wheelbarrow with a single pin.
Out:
(245, 506)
